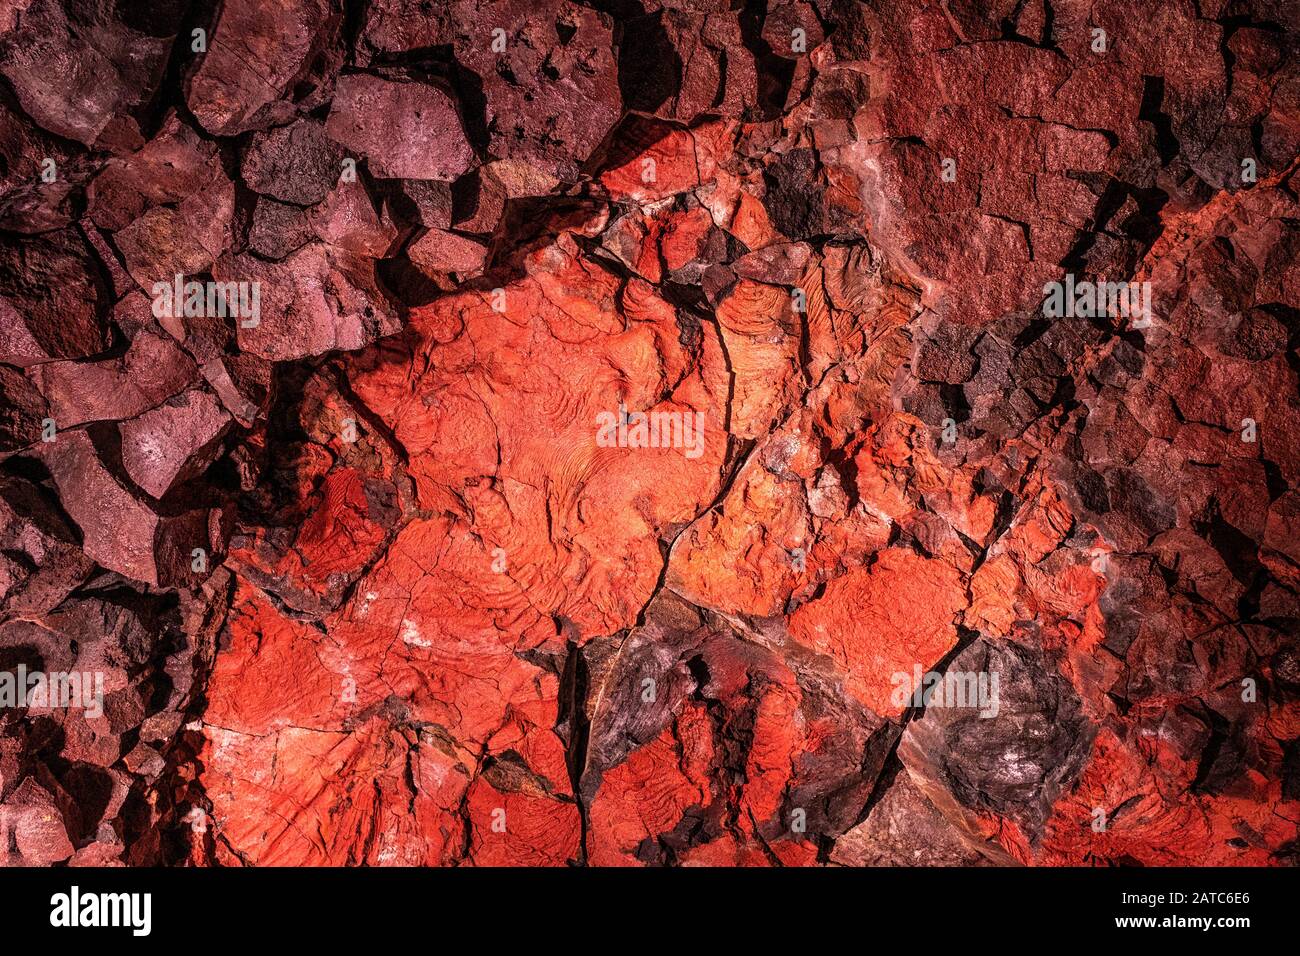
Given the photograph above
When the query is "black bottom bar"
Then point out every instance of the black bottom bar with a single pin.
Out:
(625, 908)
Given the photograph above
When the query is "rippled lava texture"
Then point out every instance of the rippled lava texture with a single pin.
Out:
(433, 620)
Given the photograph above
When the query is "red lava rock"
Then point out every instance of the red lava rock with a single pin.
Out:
(81, 71)
(314, 301)
(545, 65)
(32, 203)
(120, 531)
(183, 239)
(655, 442)
(349, 220)
(482, 202)
(39, 831)
(439, 251)
(680, 63)
(23, 413)
(42, 561)
(174, 165)
(423, 201)
(873, 638)
(278, 229)
(152, 371)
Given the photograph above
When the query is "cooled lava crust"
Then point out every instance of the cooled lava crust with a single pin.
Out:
(393, 572)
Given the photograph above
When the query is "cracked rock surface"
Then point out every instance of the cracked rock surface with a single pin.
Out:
(638, 432)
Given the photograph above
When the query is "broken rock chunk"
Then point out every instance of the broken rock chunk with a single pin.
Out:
(52, 303)
(315, 301)
(535, 70)
(119, 530)
(152, 370)
(254, 56)
(173, 442)
(405, 130)
(297, 163)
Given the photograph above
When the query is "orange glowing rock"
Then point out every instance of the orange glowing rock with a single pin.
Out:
(883, 621)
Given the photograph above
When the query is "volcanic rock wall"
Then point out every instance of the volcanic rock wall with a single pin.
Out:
(690, 432)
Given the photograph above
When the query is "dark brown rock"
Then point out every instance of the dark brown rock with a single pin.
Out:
(278, 229)
(51, 301)
(295, 163)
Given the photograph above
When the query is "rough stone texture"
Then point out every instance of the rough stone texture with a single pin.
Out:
(404, 130)
(263, 63)
(174, 441)
(51, 300)
(316, 300)
(84, 72)
(295, 164)
(119, 530)
(652, 446)
(179, 237)
(551, 95)
(153, 369)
